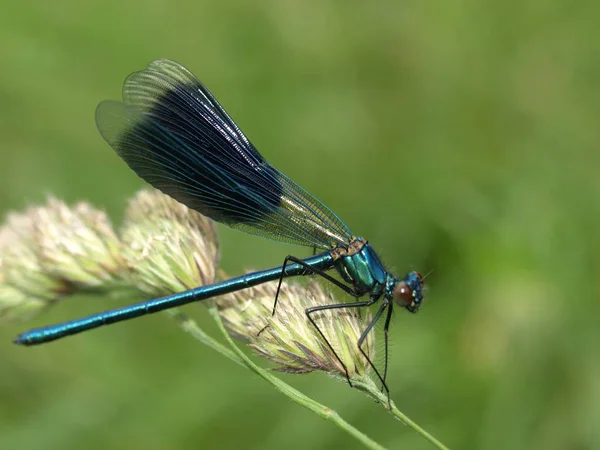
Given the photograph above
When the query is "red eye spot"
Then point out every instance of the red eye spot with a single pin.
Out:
(403, 294)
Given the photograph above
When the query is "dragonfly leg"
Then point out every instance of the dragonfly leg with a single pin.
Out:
(386, 328)
(365, 333)
(314, 309)
(309, 271)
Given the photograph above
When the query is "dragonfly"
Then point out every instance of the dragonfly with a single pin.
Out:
(173, 133)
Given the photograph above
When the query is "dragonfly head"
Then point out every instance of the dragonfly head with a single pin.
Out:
(408, 292)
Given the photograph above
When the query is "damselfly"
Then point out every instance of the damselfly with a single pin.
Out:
(175, 135)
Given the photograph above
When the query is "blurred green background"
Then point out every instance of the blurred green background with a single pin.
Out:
(460, 138)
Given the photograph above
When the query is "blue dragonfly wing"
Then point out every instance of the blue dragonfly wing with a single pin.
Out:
(176, 136)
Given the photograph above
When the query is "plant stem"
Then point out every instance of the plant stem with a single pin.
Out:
(368, 386)
(294, 394)
(190, 326)
(365, 384)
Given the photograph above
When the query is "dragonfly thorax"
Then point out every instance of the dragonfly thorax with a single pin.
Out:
(359, 265)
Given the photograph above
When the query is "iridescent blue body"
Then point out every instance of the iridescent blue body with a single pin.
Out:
(53, 332)
(173, 133)
(363, 269)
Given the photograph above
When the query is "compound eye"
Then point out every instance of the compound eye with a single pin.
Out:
(403, 294)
